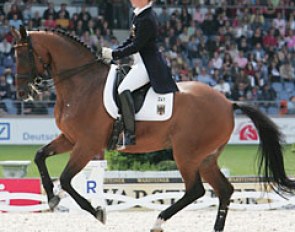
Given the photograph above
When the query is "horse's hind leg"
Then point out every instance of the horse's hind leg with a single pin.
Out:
(57, 146)
(211, 173)
(194, 190)
(78, 160)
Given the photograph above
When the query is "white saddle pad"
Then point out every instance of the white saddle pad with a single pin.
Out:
(156, 107)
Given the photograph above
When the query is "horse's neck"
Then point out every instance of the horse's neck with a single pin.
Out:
(62, 51)
(66, 59)
(82, 83)
(81, 87)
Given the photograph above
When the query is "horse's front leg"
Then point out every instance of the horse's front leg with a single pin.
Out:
(78, 160)
(57, 146)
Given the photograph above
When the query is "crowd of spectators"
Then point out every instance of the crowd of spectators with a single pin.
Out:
(245, 52)
(244, 49)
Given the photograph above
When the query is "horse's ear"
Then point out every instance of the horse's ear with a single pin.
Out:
(15, 33)
(23, 32)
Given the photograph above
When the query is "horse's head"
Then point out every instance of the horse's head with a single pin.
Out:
(28, 73)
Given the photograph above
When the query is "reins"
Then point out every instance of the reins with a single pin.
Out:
(71, 72)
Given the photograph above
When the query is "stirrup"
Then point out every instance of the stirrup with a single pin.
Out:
(126, 140)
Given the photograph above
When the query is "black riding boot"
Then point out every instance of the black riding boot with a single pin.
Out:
(127, 109)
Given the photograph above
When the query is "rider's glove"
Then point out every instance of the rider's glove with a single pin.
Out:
(107, 54)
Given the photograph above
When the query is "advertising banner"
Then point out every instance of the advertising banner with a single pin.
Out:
(246, 133)
(27, 130)
(44, 130)
(23, 195)
(22, 185)
(123, 194)
(27, 195)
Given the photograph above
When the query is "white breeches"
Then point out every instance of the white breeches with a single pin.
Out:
(137, 76)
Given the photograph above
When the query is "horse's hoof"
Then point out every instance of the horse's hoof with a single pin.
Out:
(157, 230)
(53, 202)
(218, 230)
(101, 214)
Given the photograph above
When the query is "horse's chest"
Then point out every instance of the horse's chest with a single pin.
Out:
(65, 116)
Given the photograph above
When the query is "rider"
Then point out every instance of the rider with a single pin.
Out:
(149, 64)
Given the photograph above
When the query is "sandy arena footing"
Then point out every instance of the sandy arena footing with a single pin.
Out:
(142, 221)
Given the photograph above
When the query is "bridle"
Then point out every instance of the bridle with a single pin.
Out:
(32, 76)
(36, 80)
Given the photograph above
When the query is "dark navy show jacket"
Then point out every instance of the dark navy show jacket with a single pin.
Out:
(142, 39)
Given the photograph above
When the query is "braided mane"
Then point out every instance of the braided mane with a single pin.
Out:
(76, 39)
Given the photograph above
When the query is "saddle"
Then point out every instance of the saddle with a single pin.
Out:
(138, 99)
(149, 105)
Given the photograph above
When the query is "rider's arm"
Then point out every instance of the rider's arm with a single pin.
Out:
(144, 32)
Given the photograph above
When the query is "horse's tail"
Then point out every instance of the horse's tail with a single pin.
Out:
(270, 163)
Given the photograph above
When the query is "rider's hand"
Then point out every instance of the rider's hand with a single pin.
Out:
(107, 54)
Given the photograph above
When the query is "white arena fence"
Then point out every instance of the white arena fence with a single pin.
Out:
(272, 201)
(116, 196)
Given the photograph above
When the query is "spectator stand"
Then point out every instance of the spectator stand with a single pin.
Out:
(246, 45)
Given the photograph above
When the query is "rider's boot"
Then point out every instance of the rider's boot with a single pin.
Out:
(128, 115)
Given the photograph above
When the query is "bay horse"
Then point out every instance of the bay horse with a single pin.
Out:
(200, 127)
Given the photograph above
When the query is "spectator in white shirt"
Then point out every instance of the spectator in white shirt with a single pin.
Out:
(223, 87)
(5, 46)
(216, 61)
